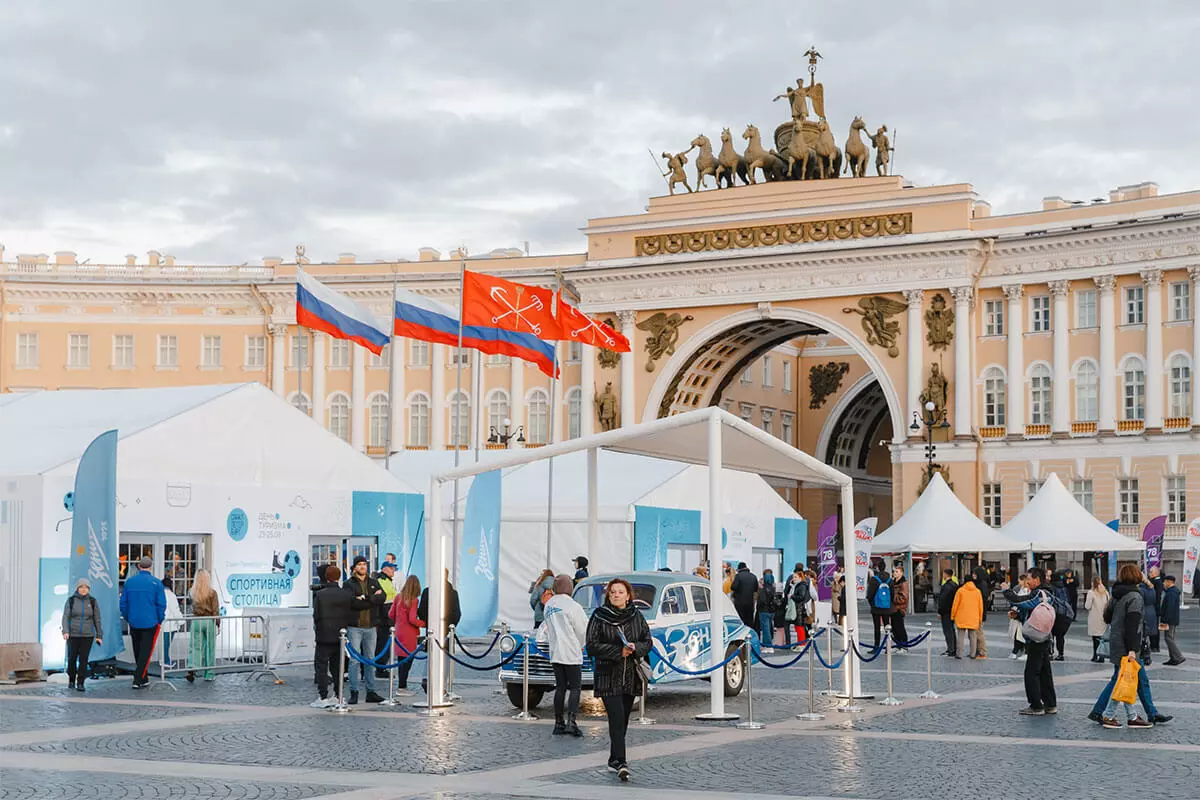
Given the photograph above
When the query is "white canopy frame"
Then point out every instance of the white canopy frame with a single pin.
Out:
(708, 436)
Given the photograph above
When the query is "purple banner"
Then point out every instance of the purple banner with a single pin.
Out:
(826, 557)
(1152, 535)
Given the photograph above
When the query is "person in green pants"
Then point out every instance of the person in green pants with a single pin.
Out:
(204, 631)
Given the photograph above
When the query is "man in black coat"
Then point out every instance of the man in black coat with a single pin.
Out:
(331, 613)
(743, 590)
(368, 599)
(945, 602)
(1169, 616)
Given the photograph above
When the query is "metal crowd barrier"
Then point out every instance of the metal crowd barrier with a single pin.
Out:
(211, 646)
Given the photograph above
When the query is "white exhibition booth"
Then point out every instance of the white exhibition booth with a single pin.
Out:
(1054, 520)
(938, 522)
(230, 478)
(708, 436)
(650, 514)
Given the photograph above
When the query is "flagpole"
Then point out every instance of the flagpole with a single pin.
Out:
(462, 285)
(391, 417)
(299, 339)
(550, 431)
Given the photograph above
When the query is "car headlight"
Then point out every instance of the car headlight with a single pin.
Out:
(508, 643)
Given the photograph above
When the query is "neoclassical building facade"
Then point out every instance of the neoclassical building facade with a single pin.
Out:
(829, 313)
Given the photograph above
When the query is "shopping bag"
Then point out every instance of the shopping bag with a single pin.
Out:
(1125, 690)
(1103, 650)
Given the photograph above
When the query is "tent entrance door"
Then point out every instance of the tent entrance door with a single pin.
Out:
(176, 558)
(686, 557)
(767, 558)
(341, 550)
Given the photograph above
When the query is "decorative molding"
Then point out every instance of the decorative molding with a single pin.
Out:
(1194, 273)
(963, 294)
(914, 297)
(1152, 277)
(771, 235)
(626, 318)
(1014, 292)
(1105, 283)
(1059, 288)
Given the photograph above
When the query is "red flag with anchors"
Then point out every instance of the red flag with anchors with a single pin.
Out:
(491, 302)
(579, 327)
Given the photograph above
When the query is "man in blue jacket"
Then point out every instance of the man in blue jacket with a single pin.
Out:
(144, 606)
(1171, 601)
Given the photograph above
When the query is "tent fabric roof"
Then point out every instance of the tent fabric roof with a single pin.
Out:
(1054, 520)
(938, 522)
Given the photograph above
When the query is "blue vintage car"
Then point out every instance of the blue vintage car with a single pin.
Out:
(675, 606)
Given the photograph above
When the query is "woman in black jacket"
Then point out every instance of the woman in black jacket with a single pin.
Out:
(618, 638)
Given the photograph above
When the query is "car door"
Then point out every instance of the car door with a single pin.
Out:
(672, 634)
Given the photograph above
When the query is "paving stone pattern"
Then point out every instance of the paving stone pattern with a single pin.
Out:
(28, 716)
(21, 784)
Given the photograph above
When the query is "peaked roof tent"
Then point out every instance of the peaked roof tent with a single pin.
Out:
(938, 522)
(1054, 520)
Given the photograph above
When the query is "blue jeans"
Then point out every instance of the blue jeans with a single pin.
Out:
(363, 641)
(766, 628)
(1143, 693)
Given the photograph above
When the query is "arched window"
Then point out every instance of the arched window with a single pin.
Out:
(574, 413)
(300, 400)
(499, 410)
(339, 416)
(994, 387)
(537, 432)
(1179, 386)
(1040, 396)
(418, 421)
(1087, 392)
(377, 428)
(460, 413)
(1134, 389)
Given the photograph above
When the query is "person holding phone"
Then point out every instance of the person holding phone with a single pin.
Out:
(618, 639)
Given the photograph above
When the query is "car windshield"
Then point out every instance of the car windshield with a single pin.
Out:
(591, 596)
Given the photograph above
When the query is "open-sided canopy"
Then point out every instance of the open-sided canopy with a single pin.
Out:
(938, 522)
(1054, 520)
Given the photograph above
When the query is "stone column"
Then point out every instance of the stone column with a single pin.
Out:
(358, 398)
(587, 390)
(628, 414)
(1194, 274)
(318, 376)
(964, 381)
(1154, 350)
(1107, 400)
(916, 351)
(516, 391)
(1060, 417)
(278, 359)
(437, 397)
(1015, 330)
(396, 415)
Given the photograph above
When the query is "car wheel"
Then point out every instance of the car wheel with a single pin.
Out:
(513, 690)
(734, 672)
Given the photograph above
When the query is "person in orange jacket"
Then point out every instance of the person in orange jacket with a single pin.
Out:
(967, 613)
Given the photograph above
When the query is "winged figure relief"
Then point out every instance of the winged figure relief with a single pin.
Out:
(664, 335)
(881, 331)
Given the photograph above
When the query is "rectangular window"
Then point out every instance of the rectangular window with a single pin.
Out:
(1177, 499)
(210, 351)
(256, 352)
(1181, 301)
(785, 427)
(339, 354)
(574, 352)
(991, 504)
(1032, 488)
(454, 357)
(27, 350)
(767, 379)
(418, 354)
(1081, 488)
(1085, 309)
(1041, 312)
(498, 360)
(746, 377)
(727, 405)
(747, 411)
(122, 355)
(380, 361)
(168, 350)
(768, 420)
(787, 376)
(79, 350)
(300, 351)
(993, 318)
(1127, 500)
(1135, 305)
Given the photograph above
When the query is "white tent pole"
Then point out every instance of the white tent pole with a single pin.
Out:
(716, 608)
(855, 635)
(434, 575)
(593, 504)
(908, 574)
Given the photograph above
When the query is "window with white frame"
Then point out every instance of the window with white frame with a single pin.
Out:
(418, 421)
(256, 352)
(1032, 488)
(785, 427)
(1128, 501)
(574, 352)
(122, 352)
(339, 416)
(300, 351)
(1134, 387)
(418, 356)
(1180, 295)
(380, 361)
(1040, 395)
(746, 377)
(377, 421)
(168, 350)
(1040, 306)
(300, 400)
(27, 350)
(1087, 392)
(1083, 491)
(991, 504)
(993, 318)
(574, 413)
(499, 410)
(498, 360)
(727, 405)
(787, 376)
(79, 350)
(767, 377)
(455, 357)
(1179, 386)
(339, 354)
(210, 351)
(1085, 308)
(745, 411)
(994, 387)
(768, 419)
(459, 408)
(1177, 499)
(1135, 305)
(538, 430)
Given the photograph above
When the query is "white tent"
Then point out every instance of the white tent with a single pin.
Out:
(938, 522)
(625, 482)
(1054, 520)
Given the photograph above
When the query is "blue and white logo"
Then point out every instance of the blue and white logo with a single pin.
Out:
(291, 564)
(237, 524)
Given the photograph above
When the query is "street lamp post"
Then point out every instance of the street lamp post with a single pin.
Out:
(932, 418)
(495, 437)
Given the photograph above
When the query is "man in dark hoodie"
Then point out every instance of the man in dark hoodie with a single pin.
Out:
(945, 602)
(331, 613)
(1172, 599)
(743, 591)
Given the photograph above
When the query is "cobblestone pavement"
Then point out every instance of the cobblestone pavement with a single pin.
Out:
(253, 739)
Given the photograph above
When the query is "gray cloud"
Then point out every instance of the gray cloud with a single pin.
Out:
(222, 132)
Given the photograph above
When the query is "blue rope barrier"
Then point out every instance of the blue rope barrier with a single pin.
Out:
(911, 642)
(826, 664)
(765, 663)
(357, 656)
(874, 654)
(414, 654)
(462, 648)
(504, 662)
(683, 671)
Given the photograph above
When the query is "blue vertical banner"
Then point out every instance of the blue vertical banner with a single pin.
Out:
(397, 523)
(1112, 556)
(94, 537)
(654, 528)
(479, 556)
(791, 536)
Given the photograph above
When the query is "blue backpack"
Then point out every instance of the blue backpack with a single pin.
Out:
(883, 594)
(1062, 603)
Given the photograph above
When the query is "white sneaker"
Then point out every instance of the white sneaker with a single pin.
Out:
(1013, 656)
(768, 650)
(404, 693)
(1021, 657)
(322, 702)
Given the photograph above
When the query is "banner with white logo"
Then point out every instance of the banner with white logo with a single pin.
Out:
(479, 555)
(864, 532)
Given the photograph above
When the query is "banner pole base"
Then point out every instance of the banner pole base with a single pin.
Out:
(810, 716)
(708, 716)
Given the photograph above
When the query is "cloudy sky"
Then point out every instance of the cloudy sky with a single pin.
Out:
(223, 132)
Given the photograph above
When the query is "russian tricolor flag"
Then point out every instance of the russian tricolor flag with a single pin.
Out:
(322, 309)
(424, 319)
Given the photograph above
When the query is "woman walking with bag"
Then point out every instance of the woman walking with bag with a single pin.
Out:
(618, 639)
(205, 603)
(1125, 643)
(406, 625)
(1096, 600)
(80, 626)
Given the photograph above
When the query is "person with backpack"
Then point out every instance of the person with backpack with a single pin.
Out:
(1150, 600)
(1125, 642)
(967, 613)
(1016, 594)
(1064, 614)
(879, 596)
(80, 627)
(799, 607)
(945, 609)
(1037, 621)
(766, 611)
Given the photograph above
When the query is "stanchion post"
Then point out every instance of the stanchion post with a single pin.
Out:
(890, 700)
(830, 691)
(642, 718)
(749, 724)
(391, 698)
(929, 693)
(524, 714)
(850, 707)
(811, 715)
(451, 697)
(340, 707)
